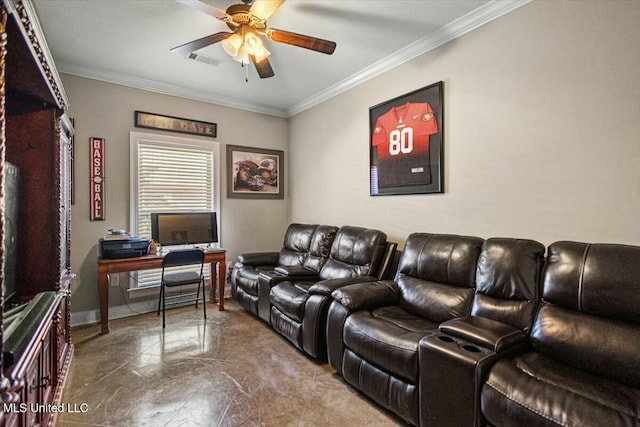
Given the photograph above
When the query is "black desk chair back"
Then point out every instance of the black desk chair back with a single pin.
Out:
(180, 258)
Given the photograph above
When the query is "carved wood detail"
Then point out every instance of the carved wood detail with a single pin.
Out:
(34, 34)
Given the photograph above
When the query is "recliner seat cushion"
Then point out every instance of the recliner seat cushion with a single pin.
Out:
(388, 337)
(534, 389)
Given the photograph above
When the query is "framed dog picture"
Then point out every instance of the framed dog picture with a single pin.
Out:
(254, 173)
(406, 143)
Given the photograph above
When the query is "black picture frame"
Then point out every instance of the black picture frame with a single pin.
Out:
(254, 173)
(406, 143)
(143, 119)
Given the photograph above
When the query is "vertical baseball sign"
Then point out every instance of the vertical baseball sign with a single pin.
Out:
(97, 179)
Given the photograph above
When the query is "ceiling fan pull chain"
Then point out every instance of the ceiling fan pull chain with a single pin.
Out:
(246, 72)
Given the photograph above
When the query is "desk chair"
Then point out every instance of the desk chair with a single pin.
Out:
(179, 258)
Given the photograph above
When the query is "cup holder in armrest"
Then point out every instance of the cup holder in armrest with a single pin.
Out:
(445, 338)
(466, 346)
(471, 348)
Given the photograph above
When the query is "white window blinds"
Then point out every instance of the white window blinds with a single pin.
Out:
(171, 175)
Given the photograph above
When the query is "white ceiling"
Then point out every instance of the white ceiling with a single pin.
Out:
(128, 42)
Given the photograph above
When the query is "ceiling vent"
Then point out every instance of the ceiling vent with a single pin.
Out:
(206, 59)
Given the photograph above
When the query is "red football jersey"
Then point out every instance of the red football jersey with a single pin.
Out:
(401, 138)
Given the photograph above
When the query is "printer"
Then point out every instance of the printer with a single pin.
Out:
(124, 248)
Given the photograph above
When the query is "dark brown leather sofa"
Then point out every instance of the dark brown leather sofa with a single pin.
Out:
(299, 305)
(454, 361)
(304, 251)
(546, 342)
(475, 332)
(583, 367)
(374, 329)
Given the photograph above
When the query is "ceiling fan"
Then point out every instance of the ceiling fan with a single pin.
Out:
(248, 21)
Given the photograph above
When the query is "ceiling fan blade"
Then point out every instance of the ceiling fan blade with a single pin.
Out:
(263, 67)
(307, 42)
(209, 10)
(192, 46)
(263, 9)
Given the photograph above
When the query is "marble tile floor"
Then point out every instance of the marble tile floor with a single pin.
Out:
(230, 370)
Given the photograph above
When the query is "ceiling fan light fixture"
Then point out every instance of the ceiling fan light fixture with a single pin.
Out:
(248, 21)
(241, 47)
(242, 55)
(252, 43)
(232, 44)
(261, 55)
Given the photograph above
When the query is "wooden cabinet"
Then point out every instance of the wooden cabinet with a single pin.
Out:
(35, 137)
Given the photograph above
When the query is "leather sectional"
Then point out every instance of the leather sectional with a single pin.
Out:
(498, 332)
(304, 251)
(291, 289)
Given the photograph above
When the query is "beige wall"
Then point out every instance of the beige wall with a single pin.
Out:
(106, 110)
(542, 133)
(542, 141)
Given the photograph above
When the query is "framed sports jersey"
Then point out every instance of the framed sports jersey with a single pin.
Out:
(406, 143)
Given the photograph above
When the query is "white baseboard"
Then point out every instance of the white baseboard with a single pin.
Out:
(115, 312)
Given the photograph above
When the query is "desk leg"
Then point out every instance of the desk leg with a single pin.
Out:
(222, 277)
(213, 280)
(218, 270)
(103, 295)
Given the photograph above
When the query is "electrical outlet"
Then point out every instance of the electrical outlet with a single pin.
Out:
(114, 280)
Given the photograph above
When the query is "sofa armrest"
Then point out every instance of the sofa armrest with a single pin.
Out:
(259, 258)
(326, 287)
(295, 271)
(484, 332)
(368, 295)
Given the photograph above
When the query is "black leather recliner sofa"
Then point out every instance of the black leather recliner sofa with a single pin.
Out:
(299, 306)
(583, 367)
(454, 360)
(541, 347)
(374, 329)
(304, 251)
(479, 332)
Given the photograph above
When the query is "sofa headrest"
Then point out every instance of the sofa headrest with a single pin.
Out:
(508, 281)
(443, 258)
(320, 247)
(436, 275)
(298, 237)
(355, 251)
(597, 279)
(322, 240)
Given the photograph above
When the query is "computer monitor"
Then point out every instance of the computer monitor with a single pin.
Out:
(184, 228)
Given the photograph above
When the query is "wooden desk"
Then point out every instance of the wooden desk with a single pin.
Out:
(215, 257)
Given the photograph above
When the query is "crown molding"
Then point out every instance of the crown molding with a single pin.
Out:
(474, 19)
(163, 88)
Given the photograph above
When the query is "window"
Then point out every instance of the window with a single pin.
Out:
(170, 174)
